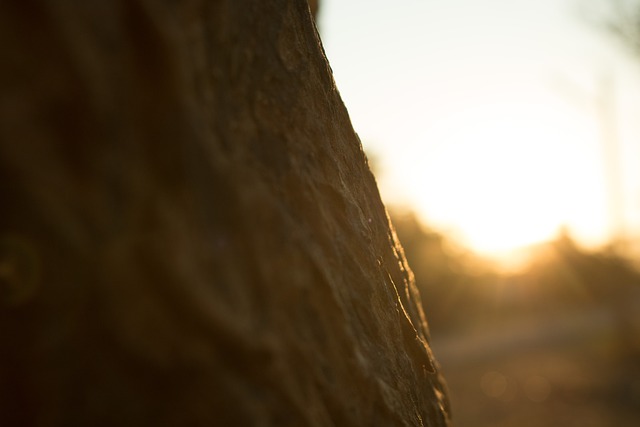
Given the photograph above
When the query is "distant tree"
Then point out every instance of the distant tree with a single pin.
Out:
(622, 19)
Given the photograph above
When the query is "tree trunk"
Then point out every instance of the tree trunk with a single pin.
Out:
(189, 231)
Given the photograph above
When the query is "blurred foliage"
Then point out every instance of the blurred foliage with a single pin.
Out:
(625, 22)
(460, 290)
(447, 275)
(621, 18)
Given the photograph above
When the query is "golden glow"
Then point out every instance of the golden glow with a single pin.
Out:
(507, 175)
(484, 120)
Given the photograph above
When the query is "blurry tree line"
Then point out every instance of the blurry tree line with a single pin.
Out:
(462, 291)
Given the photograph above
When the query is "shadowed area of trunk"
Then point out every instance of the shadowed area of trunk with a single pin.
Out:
(190, 233)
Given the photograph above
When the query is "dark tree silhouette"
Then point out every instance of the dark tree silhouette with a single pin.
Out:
(189, 230)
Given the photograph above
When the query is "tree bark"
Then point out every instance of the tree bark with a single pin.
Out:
(189, 231)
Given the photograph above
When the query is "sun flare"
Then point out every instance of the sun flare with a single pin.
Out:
(504, 176)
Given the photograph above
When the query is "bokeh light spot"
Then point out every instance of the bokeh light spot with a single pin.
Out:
(494, 384)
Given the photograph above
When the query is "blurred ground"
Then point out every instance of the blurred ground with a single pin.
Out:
(526, 376)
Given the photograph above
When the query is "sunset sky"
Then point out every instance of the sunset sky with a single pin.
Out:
(487, 116)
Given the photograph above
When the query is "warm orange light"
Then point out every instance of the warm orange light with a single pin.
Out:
(511, 174)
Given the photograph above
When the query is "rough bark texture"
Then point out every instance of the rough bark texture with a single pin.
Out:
(190, 234)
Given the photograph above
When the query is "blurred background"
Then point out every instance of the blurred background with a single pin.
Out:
(505, 138)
